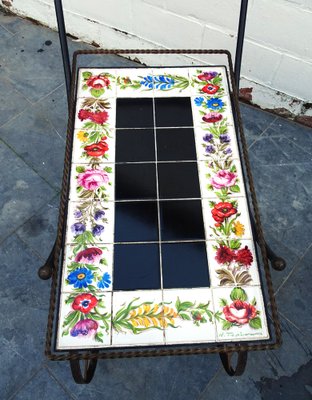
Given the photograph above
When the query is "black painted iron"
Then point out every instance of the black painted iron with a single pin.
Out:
(83, 376)
(239, 369)
(65, 52)
(64, 45)
(45, 272)
(240, 41)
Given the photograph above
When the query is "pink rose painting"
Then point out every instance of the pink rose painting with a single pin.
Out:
(98, 82)
(239, 312)
(223, 179)
(92, 179)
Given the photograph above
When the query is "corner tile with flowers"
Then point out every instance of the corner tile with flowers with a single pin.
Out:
(207, 81)
(240, 314)
(84, 320)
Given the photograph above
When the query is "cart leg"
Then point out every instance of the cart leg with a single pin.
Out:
(45, 272)
(241, 363)
(86, 376)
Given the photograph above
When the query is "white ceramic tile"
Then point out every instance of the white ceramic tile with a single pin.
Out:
(96, 114)
(85, 321)
(232, 262)
(90, 222)
(135, 82)
(89, 183)
(171, 82)
(88, 268)
(240, 314)
(208, 81)
(93, 147)
(220, 178)
(189, 316)
(96, 82)
(211, 118)
(212, 144)
(220, 227)
(137, 318)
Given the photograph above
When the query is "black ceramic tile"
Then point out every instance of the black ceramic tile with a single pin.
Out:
(181, 220)
(136, 221)
(175, 144)
(173, 111)
(136, 266)
(135, 181)
(184, 265)
(134, 113)
(135, 145)
(178, 180)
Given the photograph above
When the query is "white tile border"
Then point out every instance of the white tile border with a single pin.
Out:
(232, 267)
(213, 294)
(97, 256)
(139, 318)
(239, 314)
(83, 339)
(196, 326)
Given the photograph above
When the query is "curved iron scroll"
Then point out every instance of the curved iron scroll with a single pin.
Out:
(240, 365)
(85, 376)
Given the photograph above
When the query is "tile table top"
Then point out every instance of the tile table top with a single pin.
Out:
(158, 246)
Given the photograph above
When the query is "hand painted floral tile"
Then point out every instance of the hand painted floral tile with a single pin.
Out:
(97, 83)
(171, 82)
(208, 81)
(190, 316)
(85, 320)
(240, 314)
(221, 178)
(216, 143)
(232, 262)
(88, 268)
(135, 82)
(138, 318)
(226, 219)
(92, 182)
(96, 114)
(212, 112)
(93, 146)
(90, 222)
